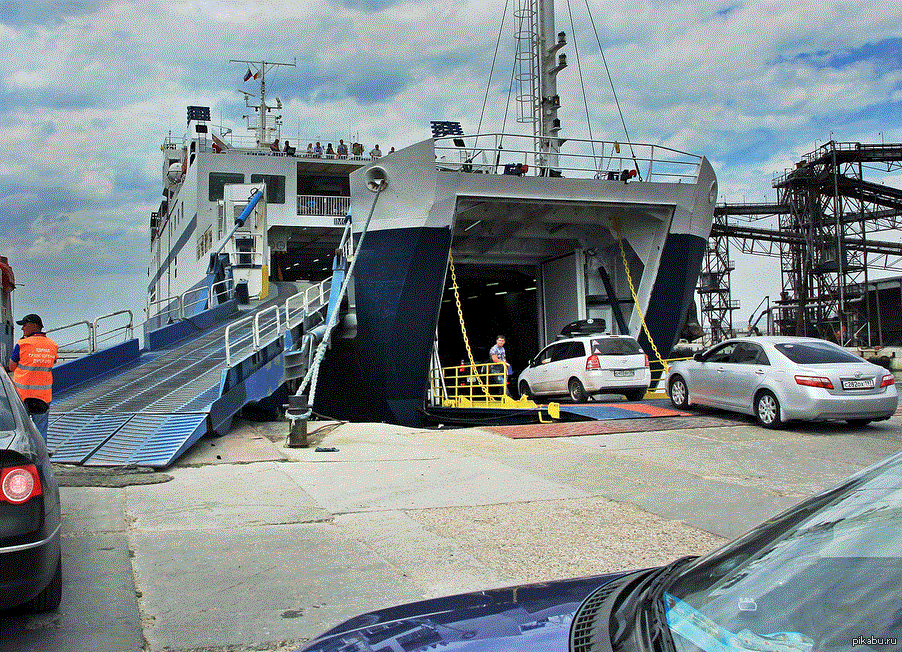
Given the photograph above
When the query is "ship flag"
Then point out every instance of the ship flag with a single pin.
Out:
(248, 74)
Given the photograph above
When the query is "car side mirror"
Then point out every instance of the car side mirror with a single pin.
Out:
(699, 357)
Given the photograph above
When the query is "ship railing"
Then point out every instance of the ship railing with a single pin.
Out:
(171, 310)
(176, 306)
(94, 338)
(323, 205)
(246, 259)
(306, 302)
(588, 159)
(249, 145)
(213, 295)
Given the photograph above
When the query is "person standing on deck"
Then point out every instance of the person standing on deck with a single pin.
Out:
(499, 358)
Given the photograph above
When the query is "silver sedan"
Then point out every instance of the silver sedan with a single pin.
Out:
(778, 379)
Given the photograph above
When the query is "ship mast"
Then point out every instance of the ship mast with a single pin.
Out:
(536, 72)
(262, 131)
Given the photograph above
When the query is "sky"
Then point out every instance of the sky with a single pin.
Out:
(91, 88)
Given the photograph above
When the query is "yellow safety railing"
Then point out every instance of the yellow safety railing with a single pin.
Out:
(480, 385)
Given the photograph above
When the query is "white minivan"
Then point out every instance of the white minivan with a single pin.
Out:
(588, 365)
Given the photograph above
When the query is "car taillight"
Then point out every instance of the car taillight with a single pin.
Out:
(592, 362)
(888, 380)
(19, 484)
(814, 381)
(647, 365)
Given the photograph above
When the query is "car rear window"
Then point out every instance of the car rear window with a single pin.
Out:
(7, 421)
(815, 353)
(615, 346)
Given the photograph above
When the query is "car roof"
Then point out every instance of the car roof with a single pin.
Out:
(593, 336)
(778, 339)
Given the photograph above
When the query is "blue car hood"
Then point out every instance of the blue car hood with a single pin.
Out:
(532, 617)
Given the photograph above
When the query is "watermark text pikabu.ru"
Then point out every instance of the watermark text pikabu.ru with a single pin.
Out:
(874, 640)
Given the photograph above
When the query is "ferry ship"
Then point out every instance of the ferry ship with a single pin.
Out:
(614, 231)
(210, 175)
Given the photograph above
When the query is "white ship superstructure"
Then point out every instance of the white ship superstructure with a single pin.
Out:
(209, 176)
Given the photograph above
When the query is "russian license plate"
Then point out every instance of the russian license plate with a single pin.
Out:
(854, 383)
(624, 373)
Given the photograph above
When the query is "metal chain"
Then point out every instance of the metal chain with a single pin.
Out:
(463, 327)
(616, 224)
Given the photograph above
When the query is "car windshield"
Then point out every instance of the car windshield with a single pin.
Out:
(815, 353)
(615, 346)
(823, 576)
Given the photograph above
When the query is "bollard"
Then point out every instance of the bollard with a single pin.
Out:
(297, 408)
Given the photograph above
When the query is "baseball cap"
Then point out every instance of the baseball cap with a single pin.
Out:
(31, 319)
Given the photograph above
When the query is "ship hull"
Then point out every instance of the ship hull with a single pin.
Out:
(398, 285)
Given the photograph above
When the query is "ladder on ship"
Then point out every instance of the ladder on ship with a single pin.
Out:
(148, 407)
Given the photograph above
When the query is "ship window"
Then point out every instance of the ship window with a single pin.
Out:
(275, 187)
(218, 182)
(205, 242)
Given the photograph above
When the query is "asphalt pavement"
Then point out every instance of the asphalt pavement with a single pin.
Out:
(248, 545)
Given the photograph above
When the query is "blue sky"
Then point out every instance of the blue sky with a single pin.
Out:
(89, 90)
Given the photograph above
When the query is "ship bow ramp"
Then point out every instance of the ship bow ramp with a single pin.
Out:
(125, 406)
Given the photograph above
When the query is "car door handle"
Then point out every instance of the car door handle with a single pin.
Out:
(760, 372)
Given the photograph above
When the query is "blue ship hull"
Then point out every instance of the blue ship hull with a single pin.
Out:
(381, 374)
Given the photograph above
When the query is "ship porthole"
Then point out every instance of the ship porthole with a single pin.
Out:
(376, 179)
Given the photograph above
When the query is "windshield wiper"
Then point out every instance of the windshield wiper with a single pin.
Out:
(653, 618)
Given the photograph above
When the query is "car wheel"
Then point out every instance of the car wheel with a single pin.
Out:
(679, 393)
(49, 598)
(767, 410)
(636, 395)
(577, 391)
(858, 423)
(526, 391)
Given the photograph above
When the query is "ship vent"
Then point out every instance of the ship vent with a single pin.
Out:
(587, 633)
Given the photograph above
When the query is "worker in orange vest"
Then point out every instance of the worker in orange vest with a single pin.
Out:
(31, 365)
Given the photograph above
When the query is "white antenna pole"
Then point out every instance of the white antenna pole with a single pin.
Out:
(549, 66)
(262, 135)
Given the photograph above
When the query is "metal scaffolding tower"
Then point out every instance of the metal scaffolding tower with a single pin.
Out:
(714, 283)
(834, 209)
(827, 213)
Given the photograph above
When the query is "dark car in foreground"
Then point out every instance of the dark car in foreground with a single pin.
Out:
(30, 563)
(779, 379)
(824, 576)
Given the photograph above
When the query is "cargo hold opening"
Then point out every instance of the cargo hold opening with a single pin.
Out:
(493, 301)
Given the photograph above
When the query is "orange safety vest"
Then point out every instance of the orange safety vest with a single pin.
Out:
(33, 377)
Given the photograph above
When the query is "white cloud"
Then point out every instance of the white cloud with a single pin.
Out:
(89, 96)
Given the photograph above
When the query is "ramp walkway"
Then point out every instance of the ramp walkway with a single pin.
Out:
(148, 407)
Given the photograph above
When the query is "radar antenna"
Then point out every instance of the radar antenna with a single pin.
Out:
(263, 130)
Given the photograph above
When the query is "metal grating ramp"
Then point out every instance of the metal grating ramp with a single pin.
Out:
(123, 439)
(150, 412)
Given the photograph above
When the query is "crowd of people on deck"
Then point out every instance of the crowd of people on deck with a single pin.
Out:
(340, 151)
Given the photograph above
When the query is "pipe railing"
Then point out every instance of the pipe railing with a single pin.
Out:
(323, 205)
(266, 325)
(104, 336)
(91, 342)
(85, 344)
(275, 324)
(489, 153)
